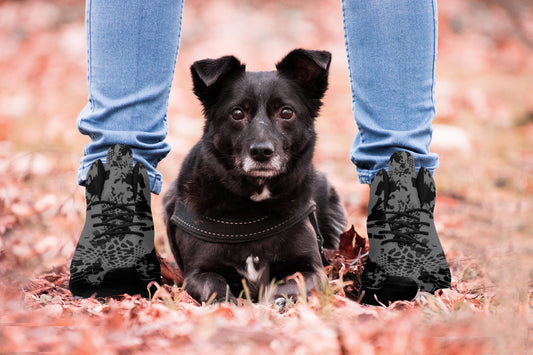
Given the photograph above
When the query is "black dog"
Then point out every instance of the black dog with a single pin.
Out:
(247, 200)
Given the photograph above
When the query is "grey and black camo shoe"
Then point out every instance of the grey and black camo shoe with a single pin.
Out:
(405, 252)
(115, 253)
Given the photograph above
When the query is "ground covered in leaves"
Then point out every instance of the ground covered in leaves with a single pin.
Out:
(482, 133)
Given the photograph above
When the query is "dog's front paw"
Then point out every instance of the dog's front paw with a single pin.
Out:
(216, 301)
(208, 287)
(283, 304)
(280, 303)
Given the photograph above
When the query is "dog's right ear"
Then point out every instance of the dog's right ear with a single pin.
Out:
(208, 74)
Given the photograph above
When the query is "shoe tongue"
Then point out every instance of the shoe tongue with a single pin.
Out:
(403, 194)
(119, 175)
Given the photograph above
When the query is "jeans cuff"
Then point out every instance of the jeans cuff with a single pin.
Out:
(365, 176)
(156, 180)
(156, 183)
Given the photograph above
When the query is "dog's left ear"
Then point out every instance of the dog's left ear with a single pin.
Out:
(308, 68)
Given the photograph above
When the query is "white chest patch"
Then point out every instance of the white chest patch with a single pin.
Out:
(252, 272)
(264, 195)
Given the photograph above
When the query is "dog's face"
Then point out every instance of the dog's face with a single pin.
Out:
(257, 123)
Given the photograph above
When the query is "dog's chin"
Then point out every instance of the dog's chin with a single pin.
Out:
(262, 173)
(264, 170)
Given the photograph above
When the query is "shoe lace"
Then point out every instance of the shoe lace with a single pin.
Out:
(121, 212)
(405, 226)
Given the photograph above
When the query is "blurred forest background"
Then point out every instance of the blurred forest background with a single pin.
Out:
(483, 134)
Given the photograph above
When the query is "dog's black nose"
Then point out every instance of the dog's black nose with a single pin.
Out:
(261, 151)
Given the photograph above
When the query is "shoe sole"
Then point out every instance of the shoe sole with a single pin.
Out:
(394, 288)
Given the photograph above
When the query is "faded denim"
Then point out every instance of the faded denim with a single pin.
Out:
(132, 48)
(131, 54)
(392, 49)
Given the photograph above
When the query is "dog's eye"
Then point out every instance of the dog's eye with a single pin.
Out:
(237, 114)
(286, 113)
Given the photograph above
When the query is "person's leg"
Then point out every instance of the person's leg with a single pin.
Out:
(131, 55)
(391, 47)
(132, 48)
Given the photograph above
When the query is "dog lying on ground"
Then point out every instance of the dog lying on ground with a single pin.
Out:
(247, 203)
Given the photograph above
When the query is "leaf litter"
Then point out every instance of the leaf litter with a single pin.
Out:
(483, 211)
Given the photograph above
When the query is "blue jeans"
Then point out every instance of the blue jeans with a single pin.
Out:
(392, 49)
(132, 49)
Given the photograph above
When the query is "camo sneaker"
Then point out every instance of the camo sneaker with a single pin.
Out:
(115, 253)
(405, 252)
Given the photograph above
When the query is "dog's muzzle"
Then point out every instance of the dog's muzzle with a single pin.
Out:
(261, 160)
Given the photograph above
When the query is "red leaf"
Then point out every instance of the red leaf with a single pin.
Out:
(346, 245)
(359, 244)
(170, 274)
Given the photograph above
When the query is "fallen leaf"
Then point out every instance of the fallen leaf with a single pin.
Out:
(169, 274)
(346, 245)
(352, 245)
